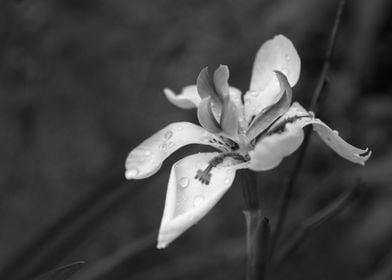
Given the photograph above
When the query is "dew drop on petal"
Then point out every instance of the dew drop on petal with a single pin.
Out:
(226, 181)
(180, 127)
(183, 182)
(198, 200)
(131, 173)
(168, 134)
(163, 146)
(170, 144)
(254, 93)
(336, 132)
(147, 152)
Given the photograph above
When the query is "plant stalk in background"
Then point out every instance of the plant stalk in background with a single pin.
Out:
(314, 108)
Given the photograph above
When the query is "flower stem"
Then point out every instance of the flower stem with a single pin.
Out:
(257, 229)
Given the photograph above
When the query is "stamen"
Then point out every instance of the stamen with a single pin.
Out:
(204, 176)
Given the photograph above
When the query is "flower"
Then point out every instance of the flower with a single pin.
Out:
(256, 134)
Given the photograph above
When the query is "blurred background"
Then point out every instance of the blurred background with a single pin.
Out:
(81, 85)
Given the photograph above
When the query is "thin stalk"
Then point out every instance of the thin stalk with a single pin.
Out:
(315, 104)
(257, 229)
(315, 221)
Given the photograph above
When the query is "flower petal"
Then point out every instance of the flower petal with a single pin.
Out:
(206, 116)
(229, 117)
(221, 81)
(271, 113)
(270, 150)
(188, 98)
(187, 199)
(277, 54)
(206, 88)
(147, 158)
(236, 98)
(299, 116)
(336, 143)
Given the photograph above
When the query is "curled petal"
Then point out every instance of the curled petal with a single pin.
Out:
(146, 159)
(235, 96)
(229, 117)
(188, 98)
(277, 54)
(221, 81)
(270, 150)
(297, 115)
(206, 116)
(334, 141)
(205, 86)
(271, 113)
(187, 199)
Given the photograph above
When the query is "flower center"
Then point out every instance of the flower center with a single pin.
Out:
(204, 176)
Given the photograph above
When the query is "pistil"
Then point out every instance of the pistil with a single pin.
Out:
(204, 176)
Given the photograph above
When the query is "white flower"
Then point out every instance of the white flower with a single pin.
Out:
(256, 134)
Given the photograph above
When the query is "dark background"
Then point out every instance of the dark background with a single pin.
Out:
(81, 85)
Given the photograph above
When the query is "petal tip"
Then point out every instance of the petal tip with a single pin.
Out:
(365, 156)
(131, 173)
(168, 92)
(161, 245)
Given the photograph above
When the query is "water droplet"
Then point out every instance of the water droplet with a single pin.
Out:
(154, 164)
(170, 144)
(180, 127)
(198, 200)
(254, 93)
(336, 132)
(163, 146)
(168, 134)
(131, 173)
(147, 152)
(184, 182)
(287, 56)
(227, 181)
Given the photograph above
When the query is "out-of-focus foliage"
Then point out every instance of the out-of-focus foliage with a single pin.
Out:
(81, 84)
